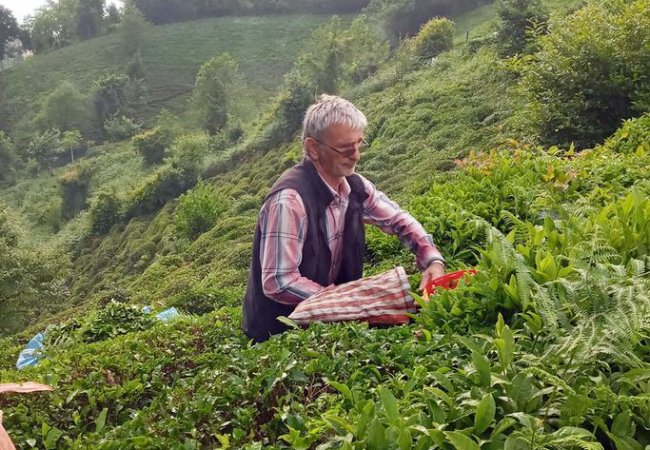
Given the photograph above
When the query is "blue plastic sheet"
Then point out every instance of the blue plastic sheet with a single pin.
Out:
(32, 353)
(167, 315)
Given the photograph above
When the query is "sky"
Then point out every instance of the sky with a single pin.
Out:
(22, 8)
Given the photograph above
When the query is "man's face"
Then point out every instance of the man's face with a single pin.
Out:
(339, 150)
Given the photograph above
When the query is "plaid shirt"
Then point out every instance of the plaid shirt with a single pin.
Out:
(283, 226)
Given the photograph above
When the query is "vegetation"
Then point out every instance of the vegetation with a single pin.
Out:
(435, 37)
(545, 347)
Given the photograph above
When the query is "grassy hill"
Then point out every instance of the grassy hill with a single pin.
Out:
(547, 347)
(265, 48)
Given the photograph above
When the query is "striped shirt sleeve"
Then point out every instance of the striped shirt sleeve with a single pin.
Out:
(384, 213)
(283, 227)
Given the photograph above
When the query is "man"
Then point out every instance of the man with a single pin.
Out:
(310, 233)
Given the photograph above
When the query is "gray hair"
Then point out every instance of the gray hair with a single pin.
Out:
(329, 110)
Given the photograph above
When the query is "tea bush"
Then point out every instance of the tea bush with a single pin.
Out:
(589, 72)
(151, 145)
(435, 37)
(198, 211)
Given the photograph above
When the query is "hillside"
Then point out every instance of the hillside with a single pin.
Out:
(265, 48)
(545, 348)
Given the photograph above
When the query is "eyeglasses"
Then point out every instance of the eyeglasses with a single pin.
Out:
(345, 152)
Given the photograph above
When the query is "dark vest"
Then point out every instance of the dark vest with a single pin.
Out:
(260, 312)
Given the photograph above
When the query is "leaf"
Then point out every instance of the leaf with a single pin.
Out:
(484, 414)
(460, 441)
(288, 322)
(621, 425)
(389, 402)
(376, 435)
(339, 425)
(51, 438)
(405, 440)
(482, 368)
(342, 388)
(515, 442)
(100, 421)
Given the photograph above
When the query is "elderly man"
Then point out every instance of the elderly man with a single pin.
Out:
(310, 233)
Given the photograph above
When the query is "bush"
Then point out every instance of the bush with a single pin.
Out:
(8, 159)
(210, 97)
(198, 211)
(74, 186)
(115, 319)
(167, 183)
(517, 18)
(189, 151)
(105, 212)
(64, 108)
(45, 147)
(590, 72)
(120, 127)
(435, 37)
(151, 145)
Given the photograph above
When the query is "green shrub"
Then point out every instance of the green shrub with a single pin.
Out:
(8, 159)
(120, 127)
(113, 320)
(212, 91)
(74, 186)
(105, 212)
(198, 211)
(435, 36)
(590, 72)
(151, 145)
(165, 184)
(517, 20)
(45, 147)
(64, 108)
(189, 151)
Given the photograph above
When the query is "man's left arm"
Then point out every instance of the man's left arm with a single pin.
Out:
(384, 213)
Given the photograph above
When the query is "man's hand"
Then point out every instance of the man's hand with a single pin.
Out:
(435, 270)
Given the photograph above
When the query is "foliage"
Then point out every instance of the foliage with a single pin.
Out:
(31, 281)
(189, 151)
(105, 211)
(589, 73)
(74, 186)
(165, 184)
(211, 95)
(198, 211)
(8, 29)
(65, 108)
(151, 145)
(406, 17)
(115, 95)
(45, 147)
(120, 127)
(88, 17)
(169, 11)
(518, 19)
(8, 159)
(133, 28)
(435, 36)
(72, 141)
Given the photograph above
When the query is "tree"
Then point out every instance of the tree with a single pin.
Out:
(53, 26)
(45, 147)
(516, 18)
(133, 27)
(435, 37)
(71, 142)
(590, 72)
(210, 97)
(88, 17)
(64, 108)
(112, 19)
(8, 29)
(8, 159)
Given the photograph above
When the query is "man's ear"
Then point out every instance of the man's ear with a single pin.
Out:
(311, 148)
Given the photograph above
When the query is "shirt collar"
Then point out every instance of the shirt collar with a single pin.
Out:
(344, 189)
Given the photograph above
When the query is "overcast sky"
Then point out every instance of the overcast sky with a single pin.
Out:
(22, 8)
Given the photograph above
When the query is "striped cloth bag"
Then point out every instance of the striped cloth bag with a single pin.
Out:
(381, 299)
